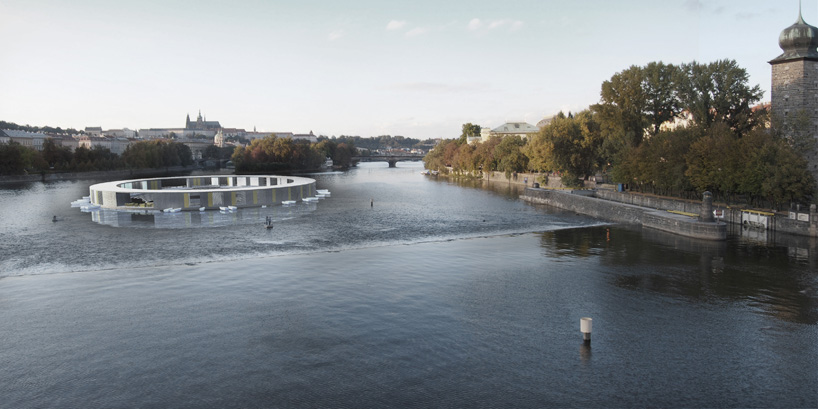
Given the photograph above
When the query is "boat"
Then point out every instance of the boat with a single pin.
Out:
(268, 222)
(322, 192)
(223, 208)
(288, 202)
(201, 209)
(309, 199)
(85, 201)
(172, 210)
(232, 208)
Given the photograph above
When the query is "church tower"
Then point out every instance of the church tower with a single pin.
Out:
(795, 78)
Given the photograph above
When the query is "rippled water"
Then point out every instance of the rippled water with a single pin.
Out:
(439, 295)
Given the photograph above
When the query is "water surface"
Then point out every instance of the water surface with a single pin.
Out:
(439, 295)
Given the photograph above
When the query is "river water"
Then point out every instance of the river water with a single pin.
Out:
(400, 290)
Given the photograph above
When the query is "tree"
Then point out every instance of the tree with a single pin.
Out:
(146, 154)
(57, 156)
(11, 159)
(510, 158)
(719, 92)
(469, 130)
(343, 154)
(659, 85)
(570, 146)
(622, 105)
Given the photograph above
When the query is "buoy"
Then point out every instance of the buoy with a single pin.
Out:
(585, 328)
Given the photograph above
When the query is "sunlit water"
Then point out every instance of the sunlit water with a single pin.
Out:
(397, 291)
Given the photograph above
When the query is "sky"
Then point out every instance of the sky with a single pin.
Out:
(418, 68)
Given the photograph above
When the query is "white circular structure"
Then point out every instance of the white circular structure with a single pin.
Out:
(201, 192)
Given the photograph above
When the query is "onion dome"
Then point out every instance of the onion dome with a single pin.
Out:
(798, 41)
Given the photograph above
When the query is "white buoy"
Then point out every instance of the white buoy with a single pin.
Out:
(585, 328)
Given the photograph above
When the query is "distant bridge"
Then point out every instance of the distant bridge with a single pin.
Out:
(391, 159)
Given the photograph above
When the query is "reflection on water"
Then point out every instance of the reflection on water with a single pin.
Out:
(764, 277)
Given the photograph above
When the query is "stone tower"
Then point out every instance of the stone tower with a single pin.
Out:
(795, 79)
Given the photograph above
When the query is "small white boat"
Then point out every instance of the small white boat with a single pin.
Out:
(288, 202)
(310, 199)
(89, 207)
(81, 202)
(172, 210)
(322, 192)
(232, 208)
(201, 209)
(223, 208)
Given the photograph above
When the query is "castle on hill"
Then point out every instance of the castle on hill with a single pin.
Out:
(201, 124)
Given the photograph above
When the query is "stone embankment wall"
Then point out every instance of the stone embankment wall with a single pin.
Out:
(528, 179)
(584, 202)
(733, 215)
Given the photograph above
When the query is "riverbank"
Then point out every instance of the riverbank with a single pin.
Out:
(607, 204)
(109, 174)
(585, 202)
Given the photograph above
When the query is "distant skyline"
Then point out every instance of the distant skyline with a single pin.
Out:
(417, 68)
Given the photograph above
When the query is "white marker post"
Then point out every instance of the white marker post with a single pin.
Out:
(585, 328)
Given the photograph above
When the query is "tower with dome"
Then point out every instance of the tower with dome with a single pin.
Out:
(795, 79)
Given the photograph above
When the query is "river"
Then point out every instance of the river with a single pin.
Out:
(400, 290)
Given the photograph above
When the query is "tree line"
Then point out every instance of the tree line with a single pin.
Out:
(16, 159)
(719, 143)
(382, 141)
(43, 129)
(285, 154)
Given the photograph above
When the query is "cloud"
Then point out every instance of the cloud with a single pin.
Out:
(335, 35)
(417, 31)
(511, 25)
(395, 25)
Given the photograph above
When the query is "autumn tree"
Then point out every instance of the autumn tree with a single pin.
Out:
(510, 155)
(568, 145)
